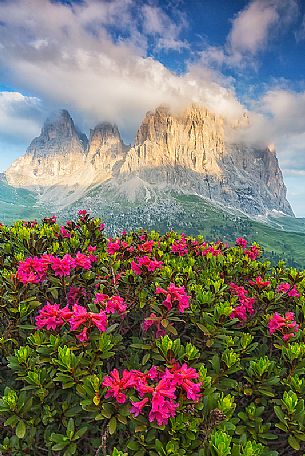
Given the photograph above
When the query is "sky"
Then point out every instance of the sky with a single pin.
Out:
(116, 59)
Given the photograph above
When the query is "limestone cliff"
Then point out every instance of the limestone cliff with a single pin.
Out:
(188, 152)
(52, 158)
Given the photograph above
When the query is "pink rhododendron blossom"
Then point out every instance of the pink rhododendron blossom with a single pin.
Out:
(246, 304)
(211, 249)
(91, 248)
(293, 292)
(145, 264)
(64, 232)
(157, 389)
(102, 226)
(82, 336)
(117, 385)
(147, 246)
(113, 304)
(62, 266)
(290, 290)
(259, 282)
(81, 316)
(286, 325)
(137, 406)
(252, 253)
(153, 320)
(175, 296)
(34, 269)
(180, 246)
(283, 287)
(82, 212)
(113, 247)
(241, 242)
(51, 316)
(183, 376)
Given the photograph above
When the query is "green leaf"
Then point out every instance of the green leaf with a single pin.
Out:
(20, 429)
(293, 442)
(112, 425)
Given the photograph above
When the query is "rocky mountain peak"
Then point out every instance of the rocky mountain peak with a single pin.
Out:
(187, 151)
(59, 125)
(104, 131)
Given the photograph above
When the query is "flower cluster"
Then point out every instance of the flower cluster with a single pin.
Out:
(259, 282)
(241, 242)
(145, 264)
(175, 296)
(180, 246)
(245, 306)
(286, 288)
(118, 245)
(51, 316)
(147, 246)
(34, 269)
(252, 253)
(157, 389)
(286, 325)
(113, 304)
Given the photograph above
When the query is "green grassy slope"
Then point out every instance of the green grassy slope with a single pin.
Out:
(17, 203)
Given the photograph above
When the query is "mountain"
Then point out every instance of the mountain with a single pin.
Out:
(182, 172)
(187, 152)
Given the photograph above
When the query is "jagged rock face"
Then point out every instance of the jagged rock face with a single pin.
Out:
(106, 151)
(186, 152)
(189, 152)
(54, 156)
(193, 140)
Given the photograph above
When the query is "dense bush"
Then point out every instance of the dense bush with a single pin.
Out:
(147, 344)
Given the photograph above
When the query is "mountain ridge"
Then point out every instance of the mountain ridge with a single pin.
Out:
(187, 151)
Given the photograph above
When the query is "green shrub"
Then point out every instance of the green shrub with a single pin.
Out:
(147, 344)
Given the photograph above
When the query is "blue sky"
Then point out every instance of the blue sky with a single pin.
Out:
(115, 60)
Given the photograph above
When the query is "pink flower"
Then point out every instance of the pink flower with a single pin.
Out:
(180, 246)
(174, 296)
(82, 336)
(246, 304)
(145, 264)
(287, 326)
(153, 320)
(259, 282)
(115, 304)
(183, 376)
(252, 253)
(241, 242)
(283, 287)
(113, 247)
(81, 316)
(91, 248)
(137, 407)
(52, 316)
(102, 226)
(293, 292)
(82, 212)
(117, 385)
(147, 246)
(62, 266)
(83, 261)
(64, 232)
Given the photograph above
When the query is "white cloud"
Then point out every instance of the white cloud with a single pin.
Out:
(70, 57)
(19, 115)
(252, 30)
